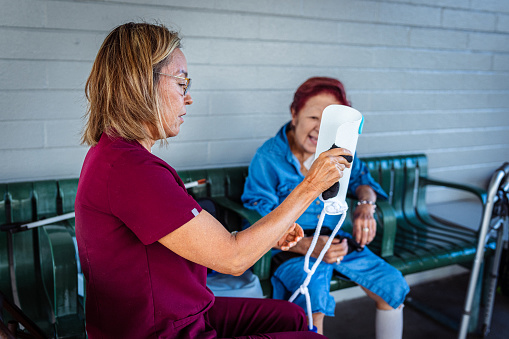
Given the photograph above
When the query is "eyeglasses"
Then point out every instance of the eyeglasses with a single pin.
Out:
(186, 86)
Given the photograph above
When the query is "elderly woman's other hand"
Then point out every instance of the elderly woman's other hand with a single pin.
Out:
(364, 224)
(337, 250)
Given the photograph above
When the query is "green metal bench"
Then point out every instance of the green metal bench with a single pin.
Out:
(409, 238)
(38, 266)
(44, 269)
(420, 242)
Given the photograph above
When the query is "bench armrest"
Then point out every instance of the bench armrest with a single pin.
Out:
(262, 267)
(250, 215)
(478, 192)
(59, 268)
(388, 220)
(59, 275)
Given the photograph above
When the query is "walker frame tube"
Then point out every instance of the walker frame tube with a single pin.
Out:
(499, 181)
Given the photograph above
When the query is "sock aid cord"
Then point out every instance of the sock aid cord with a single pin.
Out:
(340, 126)
(342, 208)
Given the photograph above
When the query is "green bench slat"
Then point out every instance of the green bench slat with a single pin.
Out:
(21, 202)
(46, 198)
(67, 189)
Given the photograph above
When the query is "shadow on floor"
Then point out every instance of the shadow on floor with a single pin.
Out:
(356, 318)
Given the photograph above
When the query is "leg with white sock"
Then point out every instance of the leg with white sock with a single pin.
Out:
(389, 321)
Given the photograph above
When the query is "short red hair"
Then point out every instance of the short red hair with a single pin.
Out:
(317, 85)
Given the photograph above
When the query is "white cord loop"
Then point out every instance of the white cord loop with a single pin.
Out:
(335, 208)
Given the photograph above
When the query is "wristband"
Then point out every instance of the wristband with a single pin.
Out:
(367, 202)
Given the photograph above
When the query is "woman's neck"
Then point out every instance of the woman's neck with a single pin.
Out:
(147, 144)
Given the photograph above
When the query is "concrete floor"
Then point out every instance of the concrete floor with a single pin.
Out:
(355, 318)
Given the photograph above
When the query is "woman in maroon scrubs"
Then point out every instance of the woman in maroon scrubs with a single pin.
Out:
(144, 243)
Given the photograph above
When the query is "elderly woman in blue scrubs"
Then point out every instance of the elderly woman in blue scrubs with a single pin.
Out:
(278, 166)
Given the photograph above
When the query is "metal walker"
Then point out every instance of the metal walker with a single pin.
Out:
(495, 223)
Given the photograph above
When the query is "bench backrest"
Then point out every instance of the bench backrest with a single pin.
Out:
(398, 175)
(23, 202)
(30, 201)
(228, 181)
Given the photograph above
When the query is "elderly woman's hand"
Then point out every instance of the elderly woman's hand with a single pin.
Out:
(327, 169)
(364, 224)
(291, 238)
(336, 252)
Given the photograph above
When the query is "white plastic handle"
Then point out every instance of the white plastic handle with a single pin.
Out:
(341, 125)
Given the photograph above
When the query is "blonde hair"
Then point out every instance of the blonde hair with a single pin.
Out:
(122, 89)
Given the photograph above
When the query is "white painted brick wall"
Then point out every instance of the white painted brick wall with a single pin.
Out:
(430, 76)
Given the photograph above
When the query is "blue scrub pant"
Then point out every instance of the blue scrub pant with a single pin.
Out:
(364, 268)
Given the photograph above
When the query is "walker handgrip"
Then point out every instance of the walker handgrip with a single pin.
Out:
(332, 191)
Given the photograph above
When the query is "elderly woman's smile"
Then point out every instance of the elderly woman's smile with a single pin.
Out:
(306, 125)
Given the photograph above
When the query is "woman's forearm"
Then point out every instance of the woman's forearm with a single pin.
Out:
(255, 241)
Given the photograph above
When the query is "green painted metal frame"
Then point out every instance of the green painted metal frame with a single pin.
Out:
(424, 242)
(408, 237)
(42, 276)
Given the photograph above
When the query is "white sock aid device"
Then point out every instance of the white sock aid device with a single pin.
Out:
(340, 127)
(389, 323)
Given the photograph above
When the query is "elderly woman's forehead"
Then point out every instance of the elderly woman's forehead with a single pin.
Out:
(320, 99)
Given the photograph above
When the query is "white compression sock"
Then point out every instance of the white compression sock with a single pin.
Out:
(389, 324)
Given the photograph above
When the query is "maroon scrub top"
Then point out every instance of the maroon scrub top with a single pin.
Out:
(127, 200)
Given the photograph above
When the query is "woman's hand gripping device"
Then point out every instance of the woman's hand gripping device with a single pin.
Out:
(340, 127)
